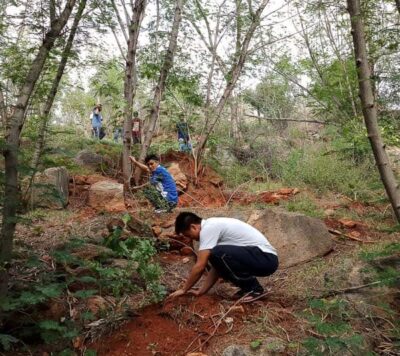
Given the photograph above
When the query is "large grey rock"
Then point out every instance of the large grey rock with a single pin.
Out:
(87, 158)
(107, 195)
(50, 188)
(297, 238)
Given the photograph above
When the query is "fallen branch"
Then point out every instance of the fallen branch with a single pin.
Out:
(332, 293)
(339, 233)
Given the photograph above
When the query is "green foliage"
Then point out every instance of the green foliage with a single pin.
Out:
(327, 172)
(330, 320)
(305, 205)
(7, 340)
(255, 344)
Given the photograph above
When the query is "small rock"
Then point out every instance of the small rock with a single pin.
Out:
(186, 260)
(329, 212)
(272, 346)
(96, 304)
(107, 195)
(179, 177)
(234, 350)
(348, 223)
(156, 231)
(355, 234)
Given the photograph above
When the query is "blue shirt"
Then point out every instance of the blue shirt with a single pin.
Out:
(164, 183)
(96, 120)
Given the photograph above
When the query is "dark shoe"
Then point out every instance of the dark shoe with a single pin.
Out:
(253, 296)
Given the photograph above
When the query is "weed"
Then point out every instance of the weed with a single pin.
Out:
(305, 205)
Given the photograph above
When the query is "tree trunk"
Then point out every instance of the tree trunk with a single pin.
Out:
(159, 89)
(397, 5)
(233, 76)
(369, 107)
(10, 152)
(54, 89)
(130, 87)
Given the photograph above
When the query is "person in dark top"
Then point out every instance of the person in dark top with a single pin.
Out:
(183, 135)
(162, 193)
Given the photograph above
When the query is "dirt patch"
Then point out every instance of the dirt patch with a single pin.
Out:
(191, 324)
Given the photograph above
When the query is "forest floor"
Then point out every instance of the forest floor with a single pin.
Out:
(346, 302)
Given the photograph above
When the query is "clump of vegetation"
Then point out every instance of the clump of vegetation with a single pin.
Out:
(67, 275)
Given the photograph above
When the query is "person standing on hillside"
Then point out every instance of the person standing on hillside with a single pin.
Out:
(97, 120)
(162, 193)
(237, 252)
(183, 135)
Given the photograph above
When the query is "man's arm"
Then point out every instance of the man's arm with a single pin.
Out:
(210, 280)
(195, 273)
(139, 164)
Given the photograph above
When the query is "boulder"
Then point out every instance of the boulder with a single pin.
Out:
(179, 177)
(297, 238)
(107, 195)
(87, 158)
(50, 188)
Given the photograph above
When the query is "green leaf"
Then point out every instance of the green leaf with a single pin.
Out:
(6, 341)
(255, 344)
(51, 291)
(126, 218)
(51, 325)
(85, 293)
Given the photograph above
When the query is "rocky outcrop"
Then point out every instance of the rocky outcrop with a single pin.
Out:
(107, 196)
(50, 188)
(179, 177)
(89, 159)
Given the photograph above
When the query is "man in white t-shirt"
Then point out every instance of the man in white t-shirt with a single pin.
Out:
(236, 251)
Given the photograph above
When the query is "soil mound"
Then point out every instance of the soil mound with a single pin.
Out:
(208, 192)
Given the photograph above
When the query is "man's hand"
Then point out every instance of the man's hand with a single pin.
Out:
(133, 159)
(177, 293)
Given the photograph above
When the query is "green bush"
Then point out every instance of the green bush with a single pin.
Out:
(328, 172)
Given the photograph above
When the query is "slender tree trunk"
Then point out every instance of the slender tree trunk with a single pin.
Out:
(130, 87)
(397, 5)
(10, 152)
(369, 107)
(160, 87)
(54, 89)
(233, 76)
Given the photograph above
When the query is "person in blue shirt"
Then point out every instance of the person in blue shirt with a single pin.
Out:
(162, 192)
(97, 120)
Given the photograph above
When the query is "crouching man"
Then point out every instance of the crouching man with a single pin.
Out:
(237, 252)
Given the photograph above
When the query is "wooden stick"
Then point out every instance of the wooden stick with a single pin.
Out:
(339, 233)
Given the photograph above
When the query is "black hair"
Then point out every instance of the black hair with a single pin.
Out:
(184, 220)
(135, 114)
(151, 157)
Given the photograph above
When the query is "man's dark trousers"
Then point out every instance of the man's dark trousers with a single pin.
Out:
(242, 264)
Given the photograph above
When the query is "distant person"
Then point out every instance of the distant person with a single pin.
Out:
(183, 135)
(97, 120)
(118, 125)
(162, 193)
(136, 128)
(237, 252)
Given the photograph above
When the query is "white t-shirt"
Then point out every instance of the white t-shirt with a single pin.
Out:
(229, 231)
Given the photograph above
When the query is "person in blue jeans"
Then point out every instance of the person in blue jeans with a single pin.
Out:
(97, 120)
(162, 192)
(237, 252)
